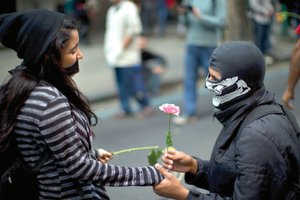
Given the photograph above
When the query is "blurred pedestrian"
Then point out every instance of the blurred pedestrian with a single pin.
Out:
(123, 54)
(42, 111)
(154, 66)
(257, 160)
(148, 16)
(161, 17)
(294, 74)
(69, 7)
(262, 15)
(83, 11)
(203, 21)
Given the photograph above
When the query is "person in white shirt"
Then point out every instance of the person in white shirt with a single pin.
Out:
(123, 54)
(262, 13)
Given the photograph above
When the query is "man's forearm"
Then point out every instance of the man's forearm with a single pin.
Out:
(294, 72)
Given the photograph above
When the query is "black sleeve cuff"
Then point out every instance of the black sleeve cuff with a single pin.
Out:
(190, 178)
(193, 195)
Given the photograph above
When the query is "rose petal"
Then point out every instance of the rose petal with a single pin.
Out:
(170, 109)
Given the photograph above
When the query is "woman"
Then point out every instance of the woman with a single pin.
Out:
(51, 115)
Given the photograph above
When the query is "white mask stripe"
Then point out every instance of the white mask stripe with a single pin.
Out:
(217, 89)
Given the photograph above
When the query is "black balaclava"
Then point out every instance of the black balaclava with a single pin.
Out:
(30, 33)
(242, 69)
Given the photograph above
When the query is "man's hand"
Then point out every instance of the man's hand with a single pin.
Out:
(287, 97)
(179, 161)
(294, 74)
(170, 187)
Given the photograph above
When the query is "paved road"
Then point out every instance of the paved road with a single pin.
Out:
(196, 139)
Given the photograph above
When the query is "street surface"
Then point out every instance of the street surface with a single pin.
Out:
(196, 138)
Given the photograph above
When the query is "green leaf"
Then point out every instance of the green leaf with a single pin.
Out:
(169, 141)
(154, 155)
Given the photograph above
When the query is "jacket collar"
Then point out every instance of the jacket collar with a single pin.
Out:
(240, 109)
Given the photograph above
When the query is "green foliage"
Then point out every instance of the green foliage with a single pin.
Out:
(154, 155)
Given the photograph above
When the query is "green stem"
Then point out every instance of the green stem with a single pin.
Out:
(169, 129)
(170, 122)
(134, 149)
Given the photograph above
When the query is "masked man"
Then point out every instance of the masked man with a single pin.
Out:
(257, 161)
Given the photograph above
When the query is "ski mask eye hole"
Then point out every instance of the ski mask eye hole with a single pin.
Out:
(212, 79)
(213, 76)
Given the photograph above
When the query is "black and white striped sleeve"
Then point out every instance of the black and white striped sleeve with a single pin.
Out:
(57, 126)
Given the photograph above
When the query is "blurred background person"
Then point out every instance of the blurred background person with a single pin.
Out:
(154, 66)
(148, 16)
(123, 54)
(294, 74)
(161, 17)
(84, 9)
(203, 20)
(262, 14)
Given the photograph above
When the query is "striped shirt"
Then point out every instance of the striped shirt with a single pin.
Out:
(47, 122)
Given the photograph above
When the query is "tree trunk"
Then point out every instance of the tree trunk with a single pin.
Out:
(239, 25)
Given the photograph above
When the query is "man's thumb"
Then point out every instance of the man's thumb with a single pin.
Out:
(162, 170)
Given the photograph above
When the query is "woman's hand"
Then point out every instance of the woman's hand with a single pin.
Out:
(170, 187)
(179, 161)
(103, 155)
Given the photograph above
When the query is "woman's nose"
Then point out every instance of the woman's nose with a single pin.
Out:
(79, 54)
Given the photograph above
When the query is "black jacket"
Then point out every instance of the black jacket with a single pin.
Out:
(261, 163)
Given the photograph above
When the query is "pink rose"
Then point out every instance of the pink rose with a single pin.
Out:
(170, 109)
